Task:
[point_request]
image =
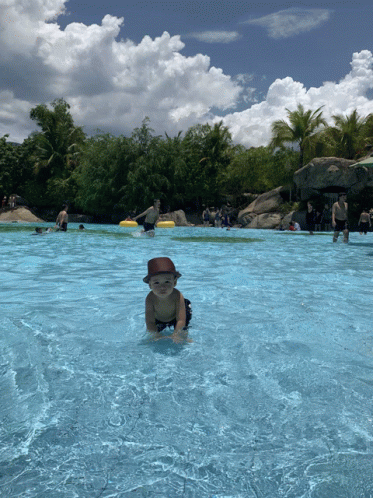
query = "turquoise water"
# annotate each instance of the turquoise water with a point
(272, 399)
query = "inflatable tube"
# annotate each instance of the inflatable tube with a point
(165, 224)
(128, 223)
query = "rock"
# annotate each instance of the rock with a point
(332, 173)
(265, 203)
(20, 214)
(266, 220)
(177, 216)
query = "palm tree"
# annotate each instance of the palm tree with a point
(349, 134)
(303, 127)
(57, 145)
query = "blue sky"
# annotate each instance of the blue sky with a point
(183, 62)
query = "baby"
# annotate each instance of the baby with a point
(165, 306)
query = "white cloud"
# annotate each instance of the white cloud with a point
(215, 36)
(291, 22)
(252, 127)
(110, 84)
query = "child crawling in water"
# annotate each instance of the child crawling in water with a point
(165, 306)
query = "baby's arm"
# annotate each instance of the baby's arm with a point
(149, 314)
(180, 332)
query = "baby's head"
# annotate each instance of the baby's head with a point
(160, 266)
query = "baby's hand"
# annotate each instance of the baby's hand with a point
(181, 336)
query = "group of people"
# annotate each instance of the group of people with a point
(220, 217)
(61, 223)
(12, 201)
(336, 218)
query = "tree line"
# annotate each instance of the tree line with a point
(104, 175)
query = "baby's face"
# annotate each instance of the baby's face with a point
(163, 284)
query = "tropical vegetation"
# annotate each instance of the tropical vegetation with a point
(105, 175)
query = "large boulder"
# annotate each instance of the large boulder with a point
(21, 214)
(332, 173)
(266, 220)
(177, 216)
(269, 202)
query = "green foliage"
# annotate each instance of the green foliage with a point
(258, 170)
(106, 175)
(102, 173)
(302, 129)
(288, 207)
(56, 151)
(15, 167)
(348, 135)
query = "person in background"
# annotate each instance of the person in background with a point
(310, 218)
(151, 216)
(364, 222)
(62, 219)
(340, 217)
(206, 217)
(318, 220)
(217, 218)
(326, 218)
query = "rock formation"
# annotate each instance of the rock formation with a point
(177, 216)
(264, 212)
(21, 214)
(324, 174)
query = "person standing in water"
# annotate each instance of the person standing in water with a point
(62, 219)
(151, 216)
(310, 218)
(340, 217)
(364, 222)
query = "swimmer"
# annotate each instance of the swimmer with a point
(151, 216)
(339, 217)
(81, 227)
(38, 231)
(165, 306)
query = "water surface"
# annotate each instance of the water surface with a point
(272, 399)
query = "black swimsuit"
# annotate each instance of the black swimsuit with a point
(188, 315)
(148, 226)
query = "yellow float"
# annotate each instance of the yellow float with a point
(128, 223)
(165, 224)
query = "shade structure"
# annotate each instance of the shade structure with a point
(368, 162)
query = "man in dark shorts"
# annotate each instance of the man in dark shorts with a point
(151, 216)
(339, 217)
(62, 219)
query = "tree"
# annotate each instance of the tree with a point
(302, 130)
(208, 151)
(56, 151)
(102, 173)
(349, 134)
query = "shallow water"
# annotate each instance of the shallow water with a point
(272, 399)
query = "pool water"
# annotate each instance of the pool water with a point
(272, 399)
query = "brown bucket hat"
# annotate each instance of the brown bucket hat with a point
(160, 265)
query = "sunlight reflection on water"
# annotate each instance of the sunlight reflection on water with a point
(272, 399)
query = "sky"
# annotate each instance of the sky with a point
(185, 62)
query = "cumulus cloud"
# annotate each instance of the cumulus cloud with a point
(110, 83)
(291, 22)
(215, 36)
(114, 84)
(252, 127)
